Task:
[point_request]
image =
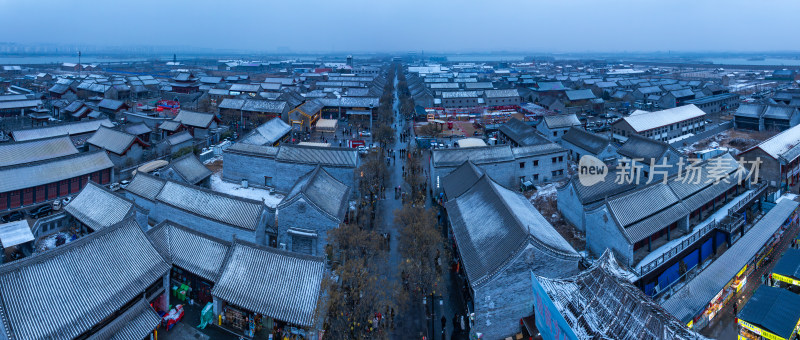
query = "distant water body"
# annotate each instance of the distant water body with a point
(56, 59)
(745, 61)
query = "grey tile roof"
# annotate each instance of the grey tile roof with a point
(60, 130)
(561, 121)
(35, 150)
(279, 284)
(599, 304)
(644, 228)
(264, 106)
(112, 140)
(195, 119)
(99, 208)
(550, 86)
(322, 191)
(170, 125)
(478, 155)
(325, 156)
(251, 149)
(29, 175)
(779, 112)
(782, 143)
(639, 204)
(461, 179)
(64, 292)
(245, 87)
(580, 94)
(588, 195)
(501, 93)
(310, 107)
(536, 150)
(145, 186)
(491, 225)
(110, 104)
(586, 140)
(138, 129)
(232, 210)
(522, 133)
(179, 137)
(749, 110)
(460, 94)
(190, 168)
(190, 250)
(693, 297)
(20, 104)
(646, 148)
(137, 322)
(267, 133)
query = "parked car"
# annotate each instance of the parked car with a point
(124, 183)
(66, 201)
(56, 205)
(14, 216)
(114, 186)
(40, 211)
(362, 150)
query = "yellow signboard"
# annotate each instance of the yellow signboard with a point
(759, 331)
(788, 280)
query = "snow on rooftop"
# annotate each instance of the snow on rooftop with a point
(270, 199)
(652, 120)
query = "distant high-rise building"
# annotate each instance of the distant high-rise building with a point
(350, 60)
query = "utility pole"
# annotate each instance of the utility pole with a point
(80, 67)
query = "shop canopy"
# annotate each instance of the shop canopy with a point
(692, 298)
(788, 267)
(15, 233)
(327, 125)
(772, 309)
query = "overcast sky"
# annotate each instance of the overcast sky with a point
(405, 25)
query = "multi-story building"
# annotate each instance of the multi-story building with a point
(664, 125)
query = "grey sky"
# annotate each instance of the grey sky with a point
(392, 25)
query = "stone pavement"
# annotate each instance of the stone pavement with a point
(412, 324)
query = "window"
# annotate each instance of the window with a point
(555, 133)
(302, 244)
(557, 173)
(522, 165)
(267, 181)
(555, 160)
(536, 162)
(560, 159)
(535, 177)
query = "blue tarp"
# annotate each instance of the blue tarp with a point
(706, 249)
(692, 259)
(669, 276)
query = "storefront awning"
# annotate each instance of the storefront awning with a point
(15, 233)
(692, 298)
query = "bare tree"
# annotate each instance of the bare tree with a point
(358, 290)
(421, 246)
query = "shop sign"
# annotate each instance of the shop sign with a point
(759, 331)
(785, 279)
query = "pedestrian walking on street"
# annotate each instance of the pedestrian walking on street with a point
(444, 327)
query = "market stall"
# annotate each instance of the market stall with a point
(327, 125)
(771, 313)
